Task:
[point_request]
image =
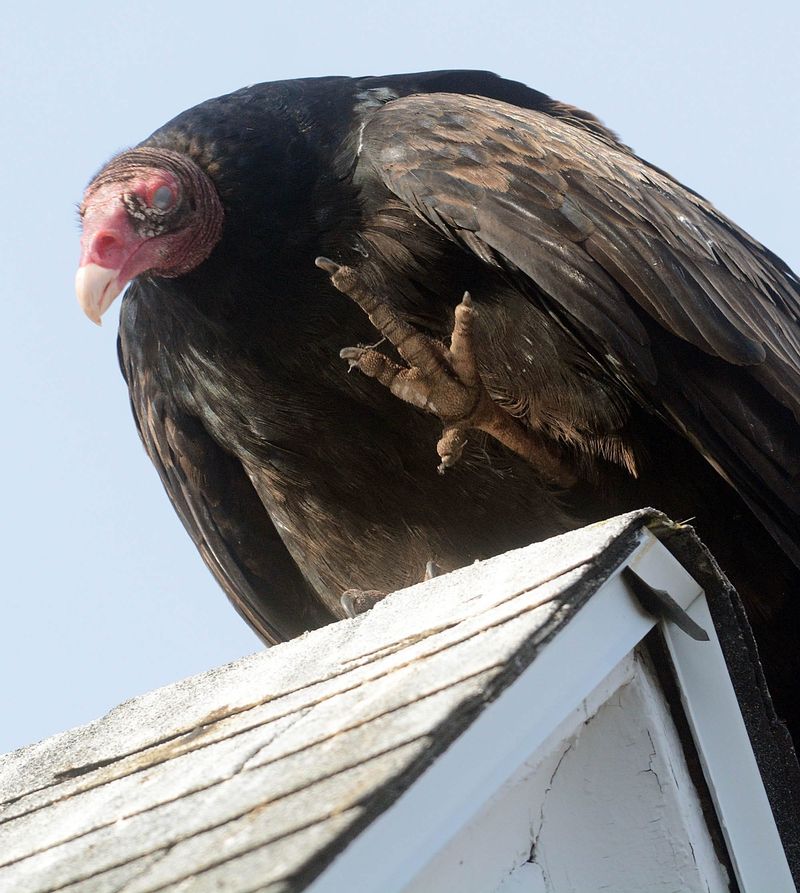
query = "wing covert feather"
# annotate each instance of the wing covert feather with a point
(593, 226)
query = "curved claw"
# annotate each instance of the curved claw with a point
(450, 446)
(330, 266)
(352, 353)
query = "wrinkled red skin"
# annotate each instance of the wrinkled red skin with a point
(128, 229)
(110, 239)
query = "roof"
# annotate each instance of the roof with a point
(256, 775)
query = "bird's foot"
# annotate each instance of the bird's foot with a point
(358, 601)
(442, 380)
(432, 570)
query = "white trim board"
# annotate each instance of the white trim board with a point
(728, 762)
(580, 656)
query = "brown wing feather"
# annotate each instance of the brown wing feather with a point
(220, 510)
(590, 223)
(677, 302)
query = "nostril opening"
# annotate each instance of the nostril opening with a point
(105, 243)
(106, 249)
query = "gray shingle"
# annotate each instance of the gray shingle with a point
(257, 773)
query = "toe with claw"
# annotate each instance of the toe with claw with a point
(359, 601)
(442, 380)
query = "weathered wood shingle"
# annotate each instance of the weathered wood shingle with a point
(253, 776)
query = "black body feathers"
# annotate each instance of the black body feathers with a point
(618, 313)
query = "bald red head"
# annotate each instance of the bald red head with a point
(148, 210)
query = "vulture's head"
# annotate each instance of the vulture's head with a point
(149, 210)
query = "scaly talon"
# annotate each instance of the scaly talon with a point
(442, 380)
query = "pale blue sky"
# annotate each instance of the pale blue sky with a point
(103, 595)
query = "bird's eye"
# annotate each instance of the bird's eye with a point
(163, 198)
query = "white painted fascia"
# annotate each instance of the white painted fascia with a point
(400, 843)
(728, 762)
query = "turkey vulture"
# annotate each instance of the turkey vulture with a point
(639, 346)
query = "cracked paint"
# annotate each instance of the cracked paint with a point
(608, 804)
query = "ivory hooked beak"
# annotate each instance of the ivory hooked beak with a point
(96, 288)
